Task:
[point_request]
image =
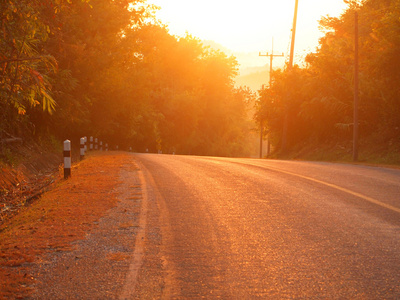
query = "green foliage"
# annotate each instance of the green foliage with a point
(25, 70)
(318, 99)
(107, 68)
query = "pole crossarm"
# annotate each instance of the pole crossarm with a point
(271, 57)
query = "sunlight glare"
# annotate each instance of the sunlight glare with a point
(247, 26)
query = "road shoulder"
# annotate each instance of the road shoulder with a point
(78, 235)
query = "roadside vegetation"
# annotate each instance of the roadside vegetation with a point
(107, 68)
(111, 70)
(317, 99)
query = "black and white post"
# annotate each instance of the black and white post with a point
(96, 144)
(101, 145)
(91, 143)
(85, 137)
(67, 159)
(106, 147)
(82, 148)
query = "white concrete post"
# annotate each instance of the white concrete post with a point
(82, 148)
(67, 159)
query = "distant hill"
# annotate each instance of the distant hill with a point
(253, 69)
(216, 46)
(253, 80)
(245, 59)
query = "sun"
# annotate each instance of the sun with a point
(247, 26)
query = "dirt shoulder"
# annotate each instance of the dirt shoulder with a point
(30, 171)
(56, 222)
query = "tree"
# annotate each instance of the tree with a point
(116, 73)
(319, 97)
(25, 68)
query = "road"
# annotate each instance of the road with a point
(246, 229)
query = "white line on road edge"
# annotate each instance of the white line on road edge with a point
(128, 290)
(369, 199)
(171, 287)
(366, 198)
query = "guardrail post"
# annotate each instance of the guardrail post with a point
(106, 147)
(101, 145)
(85, 137)
(82, 147)
(91, 143)
(67, 159)
(96, 143)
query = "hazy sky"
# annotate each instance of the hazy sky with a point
(248, 26)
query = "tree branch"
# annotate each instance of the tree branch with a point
(20, 59)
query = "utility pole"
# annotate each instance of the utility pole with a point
(290, 67)
(355, 113)
(293, 35)
(271, 57)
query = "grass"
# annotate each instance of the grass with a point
(370, 152)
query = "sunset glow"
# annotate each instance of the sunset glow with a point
(249, 26)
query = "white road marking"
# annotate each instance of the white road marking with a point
(366, 198)
(128, 290)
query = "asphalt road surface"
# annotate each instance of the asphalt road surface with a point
(246, 229)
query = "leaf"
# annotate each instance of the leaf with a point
(37, 76)
(48, 102)
(21, 111)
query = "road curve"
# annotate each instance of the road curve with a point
(246, 228)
